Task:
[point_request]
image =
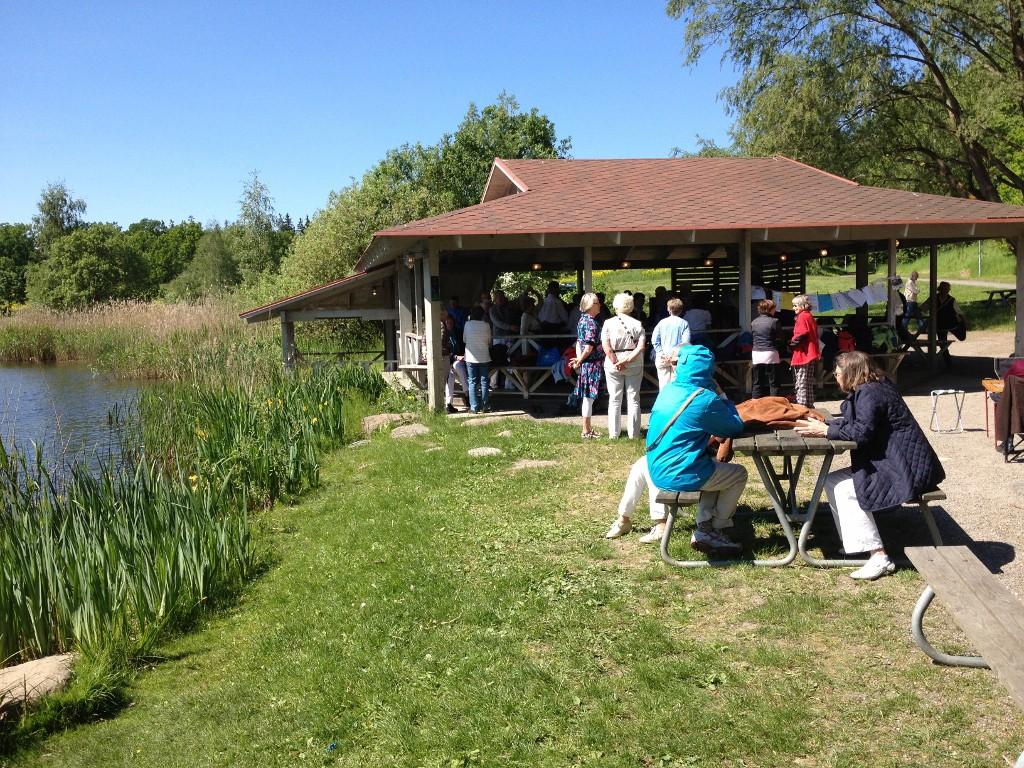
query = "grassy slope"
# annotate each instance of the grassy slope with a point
(429, 609)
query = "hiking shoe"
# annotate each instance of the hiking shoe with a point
(620, 527)
(877, 566)
(713, 541)
(654, 535)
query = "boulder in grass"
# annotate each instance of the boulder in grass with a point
(25, 683)
(358, 443)
(505, 433)
(533, 464)
(485, 451)
(371, 424)
(409, 430)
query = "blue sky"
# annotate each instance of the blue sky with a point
(161, 110)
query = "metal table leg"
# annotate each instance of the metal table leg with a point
(805, 530)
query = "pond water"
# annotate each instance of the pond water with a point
(62, 408)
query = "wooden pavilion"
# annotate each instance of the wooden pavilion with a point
(724, 224)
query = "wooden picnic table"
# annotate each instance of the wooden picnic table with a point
(1002, 295)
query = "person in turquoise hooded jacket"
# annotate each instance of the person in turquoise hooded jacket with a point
(678, 460)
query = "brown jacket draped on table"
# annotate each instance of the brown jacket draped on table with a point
(1010, 409)
(767, 413)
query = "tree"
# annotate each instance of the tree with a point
(925, 94)
(415, 181)
(17, 249)
(90, 264)
(166, 250)
(59, 214)
(212, 271)
(259, 249)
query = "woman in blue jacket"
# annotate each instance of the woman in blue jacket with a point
(892, 464)
(677, 457)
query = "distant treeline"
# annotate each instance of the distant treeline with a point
(61, 261)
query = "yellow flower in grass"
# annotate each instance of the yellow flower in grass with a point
(200, 434)
(194, 480)
(315, 421)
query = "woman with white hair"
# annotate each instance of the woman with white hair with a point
(622, 337)
(806, 349)
(587, 363)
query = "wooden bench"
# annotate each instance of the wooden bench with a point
(1002, 295)
(991, 617)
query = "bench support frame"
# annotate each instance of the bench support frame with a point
(917, 630)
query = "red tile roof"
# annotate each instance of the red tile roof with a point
(690, 193)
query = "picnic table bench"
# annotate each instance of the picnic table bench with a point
(991, 617)
(1002, 295)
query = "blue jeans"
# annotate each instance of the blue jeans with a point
(478, 385)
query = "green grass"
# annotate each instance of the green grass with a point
(427, 609)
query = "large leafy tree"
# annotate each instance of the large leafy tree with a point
(415, 181)
(212, 271)
(94, 263)
(17, 249)
(59, 213)
(927, 94)
(166, 250)
(260, 242)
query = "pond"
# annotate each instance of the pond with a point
(64, 409)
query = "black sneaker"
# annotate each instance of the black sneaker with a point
(451, 408)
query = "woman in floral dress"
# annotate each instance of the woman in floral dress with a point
(588, 361)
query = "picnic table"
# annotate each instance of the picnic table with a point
(780, 481)
(1002, 295)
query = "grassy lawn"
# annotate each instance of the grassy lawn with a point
(428, 609)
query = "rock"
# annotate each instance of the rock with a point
(29, 682)
(533, 464)
(409, 430)
(371, 424)
(478, 452)
(505, 433)
(434, 449)
(358, 443)
(479, 422)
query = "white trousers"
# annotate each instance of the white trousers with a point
(457, 369)
(666, 372)
(639, 480)
(718, 496)
(630, 382)
(856, 527)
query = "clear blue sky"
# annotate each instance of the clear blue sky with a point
(160, 110)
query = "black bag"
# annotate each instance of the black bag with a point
(959, 330)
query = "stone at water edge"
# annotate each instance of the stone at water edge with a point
(485, 451)
(409, 430)
(28, 682)
(371, 424)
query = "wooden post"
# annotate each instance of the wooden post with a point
(588, 269)
(437, 368)
(861, 278)
(390, 344)
(890, 312)
(404, 292)
(287, 341)
(744, 287)
(579, 280)
(933, 289)
(1018, 345)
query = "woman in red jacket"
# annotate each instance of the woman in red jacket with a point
(806, 350)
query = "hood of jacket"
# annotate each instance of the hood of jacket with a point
(696, 366)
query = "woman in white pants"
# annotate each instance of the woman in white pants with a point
(892, 464)
(623, 340)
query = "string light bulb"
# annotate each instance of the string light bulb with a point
(824, 251)
(625, 265)
(783, 257)
(535, 267)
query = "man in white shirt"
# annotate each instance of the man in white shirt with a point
(553, 315)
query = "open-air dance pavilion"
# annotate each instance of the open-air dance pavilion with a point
(722, 225)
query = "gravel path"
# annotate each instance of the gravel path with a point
(985, 496)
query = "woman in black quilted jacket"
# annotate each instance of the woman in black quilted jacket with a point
(892, 464)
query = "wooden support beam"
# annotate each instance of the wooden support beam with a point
(861, 279)
(744, 287)
(390, 344)
(305, 315)
(437, 370)
(588, 268)
(404, 293)
(933, 289)
(1018, 345)
(287, 341)
(890, 311)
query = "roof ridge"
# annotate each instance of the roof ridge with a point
(817, 170)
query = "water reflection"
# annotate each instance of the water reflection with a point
(64, 409)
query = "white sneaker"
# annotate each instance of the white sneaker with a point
(876, 567)
(620, 527)
(654, 535)
(713, 541)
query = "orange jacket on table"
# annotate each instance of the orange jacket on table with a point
(808, 349)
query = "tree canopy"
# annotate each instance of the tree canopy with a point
(415, 181)
(925, 94)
